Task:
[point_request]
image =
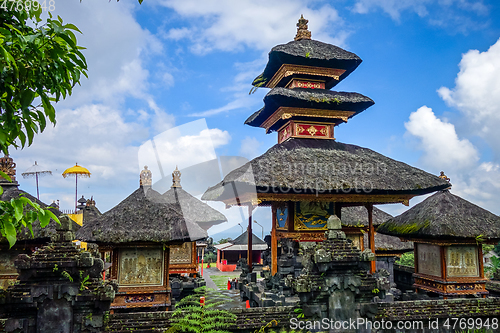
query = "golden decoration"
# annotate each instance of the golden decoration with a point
(312, 130)
(176, 178)
(302, 32)
(286, 112)
(8, 167)
(289, 70)
(146, 177)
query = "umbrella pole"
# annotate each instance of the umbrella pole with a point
(76, 191)
(37, 193)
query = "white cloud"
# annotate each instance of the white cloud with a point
(477, 93)
(94, 128)
(439, 141)
(250, 147)
(259, 24)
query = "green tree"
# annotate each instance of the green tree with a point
(41, 63)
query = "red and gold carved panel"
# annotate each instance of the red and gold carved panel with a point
(285, 133)
(306, 130)
(306, 84)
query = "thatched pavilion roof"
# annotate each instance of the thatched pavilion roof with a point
(308, 52)
(144, 216)
(444, 216)
(357, 216)
(308, 98)
(193, 209)
(324, 167)
(41, 235)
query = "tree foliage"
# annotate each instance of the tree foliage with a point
(41, 63)
(19, 213)
(190, 316)
(407, 259)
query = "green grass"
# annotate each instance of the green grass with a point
(221, 280)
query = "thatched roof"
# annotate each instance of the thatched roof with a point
(444, 216)
(308, 98)
(325, 167)
(144, 216)
(358, 216)
(385, 243)
(193, 209)
(308, 52)
(41, 235)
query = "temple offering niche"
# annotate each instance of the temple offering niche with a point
(138, 232)
(448, 233)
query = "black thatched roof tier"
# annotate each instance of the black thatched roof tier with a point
(444, 215)
(41, 235)
(243, 240)
(308, 52)
(385, 243)
(357, 216)
(309, 166)
(308, 98)
(144, 216)
(193, 209)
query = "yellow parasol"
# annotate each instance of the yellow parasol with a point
(76, 171)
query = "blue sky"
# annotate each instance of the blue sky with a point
(432, 68)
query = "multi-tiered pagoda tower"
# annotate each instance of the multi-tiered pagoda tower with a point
(309, 176)
(300, 74)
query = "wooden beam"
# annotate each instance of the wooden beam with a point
(371, 235)
(274, 243)
(250, 252)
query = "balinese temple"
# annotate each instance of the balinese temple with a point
(86, 209)
(228, 254)
(448, 233)
(137, 233)
(308, 175)
(183, 258)
(26, 243)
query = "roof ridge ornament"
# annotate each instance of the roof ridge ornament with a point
(8, 167)
(146, 177)
(443, 176)
(176, 178)
(302, 32)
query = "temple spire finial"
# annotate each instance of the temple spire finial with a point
(146, 177)
(302, 32)
(176, 178)
(8, 167)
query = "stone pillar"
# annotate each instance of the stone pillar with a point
(59, 289)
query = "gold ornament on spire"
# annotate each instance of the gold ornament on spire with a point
(302, 32)
(176, 178)
(8, 167)
(146, 177)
